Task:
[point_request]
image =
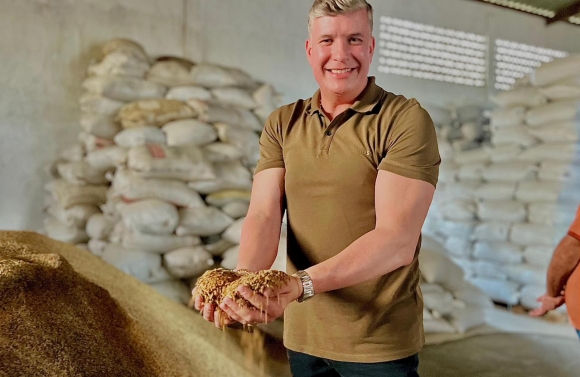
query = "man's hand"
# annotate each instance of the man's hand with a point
(267, 307)
(209, 311)
(548, 303)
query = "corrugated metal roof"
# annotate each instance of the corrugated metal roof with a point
(551, 10)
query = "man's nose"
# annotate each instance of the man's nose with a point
(340, 50)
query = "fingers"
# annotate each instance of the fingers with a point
(208, 312)
(237, 313)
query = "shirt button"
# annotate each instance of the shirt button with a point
(328, 133)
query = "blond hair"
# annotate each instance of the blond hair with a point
(321, 8)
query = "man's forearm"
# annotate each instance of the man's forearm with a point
(259, 243)
(374, 254)
(564, 261)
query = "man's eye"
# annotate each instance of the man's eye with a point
(356, 40)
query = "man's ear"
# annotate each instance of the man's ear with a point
(308, 50)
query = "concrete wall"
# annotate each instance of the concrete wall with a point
(45, 46)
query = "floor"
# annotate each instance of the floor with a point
(503, 355)
(496, 355)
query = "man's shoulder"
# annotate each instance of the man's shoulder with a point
(287, 111)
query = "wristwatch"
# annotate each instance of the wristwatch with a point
(308, 287)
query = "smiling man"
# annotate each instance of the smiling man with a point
(355, 167)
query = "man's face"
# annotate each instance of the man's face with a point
(340, 50)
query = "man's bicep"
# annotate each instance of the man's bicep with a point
(267, 193)
(401, 203)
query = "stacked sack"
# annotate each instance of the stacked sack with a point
(178, 142)
(451, 304)
(508, 204)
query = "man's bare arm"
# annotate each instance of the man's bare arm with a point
(401, 207)
(261, 229)
(564, 261)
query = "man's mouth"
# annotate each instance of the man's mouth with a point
(338, 71)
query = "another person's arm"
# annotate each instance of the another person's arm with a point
(564, 260)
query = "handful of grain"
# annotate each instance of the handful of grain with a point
(215, 285)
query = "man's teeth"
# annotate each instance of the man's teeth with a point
(341, 70)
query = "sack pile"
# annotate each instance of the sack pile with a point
(159, 183)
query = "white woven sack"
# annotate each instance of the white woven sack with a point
(229, 176)
(120, 63)
(473, 296)
(538, 255)
(100, 125)
(203, 221)
(460, 229)
(524, 96)
(561, 91)
(504, 152)
(184, 93)
(187, 262)
(214, 76)
(532, 234)
(490, 270)
(222, 198)
(506, 292)
(189, 132)
(74, 216)
(480, 155)
(139, 264)
(458, 210)
(107, 158)
(97, 104)
(558, 132)
(175, 290)
(97, 247)
(155, 243)
(535, 191)
(214, 112)
(64, 233)
(233, 233)
(511, 116)
(235, 97)
(501, 210)
(149, 216)
(124, 89)
(513, 171)
(495, 191)
(245, 140)
(499, 252)
(217, 247)
(158, 161)
(81, 173)
(99, 227)
(563, 152)
(153, 112)
(230, 257)
(221, 152)
(458, 247)
(471, 172)
(437, 326)
(447, 171)
(170, 73)
(139, 136)
(438, 268)
(553, 112)
(556, 70)
(438, 301)
(65, 195)
(517, 135)
(131, 187)
(491, 231)
(465, 319)
(527, 274)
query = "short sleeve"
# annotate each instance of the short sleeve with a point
(574, 230)
(411, 148)
(271, 155)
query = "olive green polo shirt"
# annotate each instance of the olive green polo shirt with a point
(330, 174)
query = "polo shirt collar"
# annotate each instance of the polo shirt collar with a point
(366, 101)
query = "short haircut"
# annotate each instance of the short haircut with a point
(321, 8)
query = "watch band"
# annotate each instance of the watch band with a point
(308, 287)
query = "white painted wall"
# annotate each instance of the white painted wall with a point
(45, 46)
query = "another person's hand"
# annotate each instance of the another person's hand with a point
(267, 307)
(548, 303)
(209, 311)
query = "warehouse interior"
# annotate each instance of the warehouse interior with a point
(131, 137)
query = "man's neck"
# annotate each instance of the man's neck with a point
(333, 104)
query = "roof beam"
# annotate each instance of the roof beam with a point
(564, 13)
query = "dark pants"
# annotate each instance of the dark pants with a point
(303, 365)
(578, 331)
